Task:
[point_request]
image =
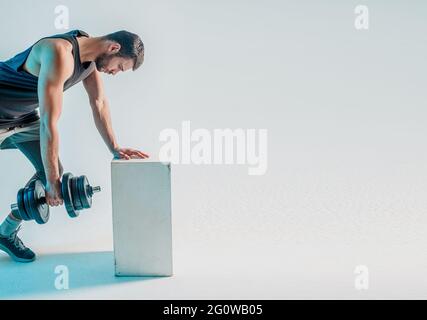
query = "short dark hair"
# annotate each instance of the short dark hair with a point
(131, 44)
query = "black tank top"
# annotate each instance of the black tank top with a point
(18, 88)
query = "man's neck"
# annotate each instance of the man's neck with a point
(89, 48)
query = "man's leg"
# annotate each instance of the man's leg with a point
(31, 149)
(10, 226)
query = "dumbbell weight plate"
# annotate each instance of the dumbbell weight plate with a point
(31, 209)
(39, 208)
(31, 201)
(66, 195)
(77, 202)
(83, 185)
(27, 204)
(82, 194)
(80, 191)
(21, 205)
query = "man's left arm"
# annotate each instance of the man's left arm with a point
(101, 115)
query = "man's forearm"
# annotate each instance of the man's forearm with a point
(49, 142)
(102, 118)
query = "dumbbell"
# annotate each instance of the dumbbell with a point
(31, 200)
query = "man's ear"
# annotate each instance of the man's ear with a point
(114, 48)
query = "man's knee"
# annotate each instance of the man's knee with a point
(40, 175)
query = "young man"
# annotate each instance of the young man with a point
(36, 78)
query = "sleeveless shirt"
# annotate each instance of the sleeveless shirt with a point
(18, 88)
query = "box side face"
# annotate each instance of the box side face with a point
(142, 224)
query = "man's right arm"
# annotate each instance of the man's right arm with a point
(55, 68)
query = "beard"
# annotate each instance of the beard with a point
(102, 61)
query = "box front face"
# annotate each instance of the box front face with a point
(142, 226)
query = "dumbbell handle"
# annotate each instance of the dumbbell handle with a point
(14, 207)
(93, 190)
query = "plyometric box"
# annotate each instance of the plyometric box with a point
(142, 217)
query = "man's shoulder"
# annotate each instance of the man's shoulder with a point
(55, 46)
(55, 52)
(56, 55)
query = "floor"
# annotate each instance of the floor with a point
(309, 273)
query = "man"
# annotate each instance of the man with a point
(36, 78)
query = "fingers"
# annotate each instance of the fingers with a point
(54, 201)
(143, 155)
(129, 153)
(124, 155)
(140, 154)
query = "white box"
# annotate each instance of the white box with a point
(142, 217)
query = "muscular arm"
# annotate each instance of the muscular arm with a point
(100, 109)
(55, 68)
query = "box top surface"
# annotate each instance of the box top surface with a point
(119, 161)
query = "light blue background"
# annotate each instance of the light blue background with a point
(346, 114)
